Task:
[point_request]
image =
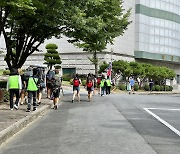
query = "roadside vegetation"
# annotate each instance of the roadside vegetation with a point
(142, 73)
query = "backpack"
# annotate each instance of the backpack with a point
(89, 83)
(76, 83)
(27, 74)
(98, 80)
(50, 75)
(56, 82)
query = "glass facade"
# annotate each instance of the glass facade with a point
(158, 27)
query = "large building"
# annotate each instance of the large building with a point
(152, 37)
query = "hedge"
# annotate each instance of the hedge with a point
(136, 87)
(122, 87)
(146, 87)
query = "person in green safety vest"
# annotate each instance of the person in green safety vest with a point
(103, 85)
(108, 86)
(14, 85)
(32, 87)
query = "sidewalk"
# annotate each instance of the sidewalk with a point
(12, 122)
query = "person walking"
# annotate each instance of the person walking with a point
(41, 76)
(102, 85)
(56, 85)
(108, 86)
(50, 74)
(98, 84)
(113, 81)
(128, 87)
(32, 88)
(23, 91)
(76, 87)
(132, 82)
(14, 85)
(90, 86)
(151, 84)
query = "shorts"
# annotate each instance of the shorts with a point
(48, 85)
(90, 89)
(76, 88)
(56, 93)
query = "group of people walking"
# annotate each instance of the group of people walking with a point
(92, 83)
(30, 87)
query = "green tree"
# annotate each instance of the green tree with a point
(52, 57)
(103, 67)
(26, 24)
(94, 23)
(10, 7)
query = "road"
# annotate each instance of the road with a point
(126, 124)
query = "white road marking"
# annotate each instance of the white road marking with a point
(161, 120)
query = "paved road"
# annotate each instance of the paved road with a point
(111, 124)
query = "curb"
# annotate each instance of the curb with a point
(19, 125)
(157, 93)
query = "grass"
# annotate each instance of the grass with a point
(65, 82)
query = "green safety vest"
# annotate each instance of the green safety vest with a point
(102, 83)
(14, 82)
(32, 86)
(108, 82)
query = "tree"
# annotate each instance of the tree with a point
(9, 7)
(103, 67)
(94, 23)
(26, 24)
(52, 56)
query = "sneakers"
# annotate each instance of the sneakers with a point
(39, 103)
(28, 110)
(72, 101)
(34, 108)
(21, 103)
(16, 107)
(55, 107)
(11, 109)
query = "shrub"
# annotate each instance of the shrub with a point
(6, 96)
(170, 88)
(157, 88)
(51, 46)
(122, 87)
(66, 77)
(146, 87)
(161, 88)
(57, 67)
(153, 88)
(6, 72)
(136, 87)
(84, 82)
(71, 81)
(167, 88)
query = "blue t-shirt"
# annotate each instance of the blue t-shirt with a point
(132, 82)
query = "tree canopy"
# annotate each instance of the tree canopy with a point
(52, 57)
(26, 24)
(95, 23)
(140, 70)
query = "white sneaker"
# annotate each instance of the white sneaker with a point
(21, 103)
(11, 109)
(15, 106)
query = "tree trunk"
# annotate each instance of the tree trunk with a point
(95, 62)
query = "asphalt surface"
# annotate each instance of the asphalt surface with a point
(117, 123)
